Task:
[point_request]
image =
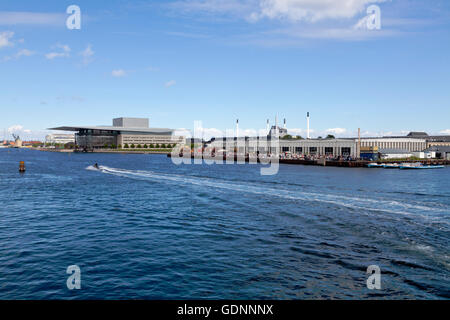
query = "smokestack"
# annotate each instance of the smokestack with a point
(358, 152)
(284, 125)
(237, 128)
(307, 126)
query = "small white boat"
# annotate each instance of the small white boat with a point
(375, 165)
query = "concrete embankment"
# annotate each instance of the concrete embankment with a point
(331, 163)
(105, 151)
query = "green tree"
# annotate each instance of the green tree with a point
(113, 146)
(132, 146)
(145, 146)
(152, 145)
(139, 146)
(119, 146)
(330, 136)
(163, 145)
(126, 146)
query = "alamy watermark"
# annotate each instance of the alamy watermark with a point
(374, 280)
(74, 280)
(73, 22)
(232, 148)
(373, 19)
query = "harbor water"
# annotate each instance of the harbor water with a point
(142, 227)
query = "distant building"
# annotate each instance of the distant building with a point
(60, 138)
(281, 131)
(395, 153)
(441, 152)
(124, 132)
(265, 145)
(403, 143)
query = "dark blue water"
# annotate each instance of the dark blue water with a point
(146, 228)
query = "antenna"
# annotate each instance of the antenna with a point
(237, 128)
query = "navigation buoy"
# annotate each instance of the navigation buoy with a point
(22, 166)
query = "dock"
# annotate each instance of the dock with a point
(329, 163)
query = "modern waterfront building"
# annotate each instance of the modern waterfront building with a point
(124, 132)
(60, 138)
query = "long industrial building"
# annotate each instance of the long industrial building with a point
(124, 132)
(317, 147)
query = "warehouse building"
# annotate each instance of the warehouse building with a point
(403, 143)
(345, 147)
(441, 152)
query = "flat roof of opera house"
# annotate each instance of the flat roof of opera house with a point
(113, 128)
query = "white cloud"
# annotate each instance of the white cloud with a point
(299, 19)
(118, 73)
(15, 128)
(21, 53)
(308, 10)
(31, 18)
(64, 53)
(53, 55)
(337, 131)
(87, 54)
(26, 134)
(446, 131)
(5, 38)
(24, 53)
(170, 83)
(290, 10)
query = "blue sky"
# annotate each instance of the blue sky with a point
(180, 61)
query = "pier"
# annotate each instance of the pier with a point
(324, 162)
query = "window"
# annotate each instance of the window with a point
(346, 151)
(285, 149)
(298, 149)
(328, 150)
(313, 150)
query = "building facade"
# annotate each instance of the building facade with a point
(125, 132)
(319, 147)
(403, 143)
(60, 138)
(263, 145)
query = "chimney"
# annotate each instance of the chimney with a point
(307, 126)
(358, 152)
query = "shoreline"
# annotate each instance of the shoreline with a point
(104, 151)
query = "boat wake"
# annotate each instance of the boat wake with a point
(362, 205)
